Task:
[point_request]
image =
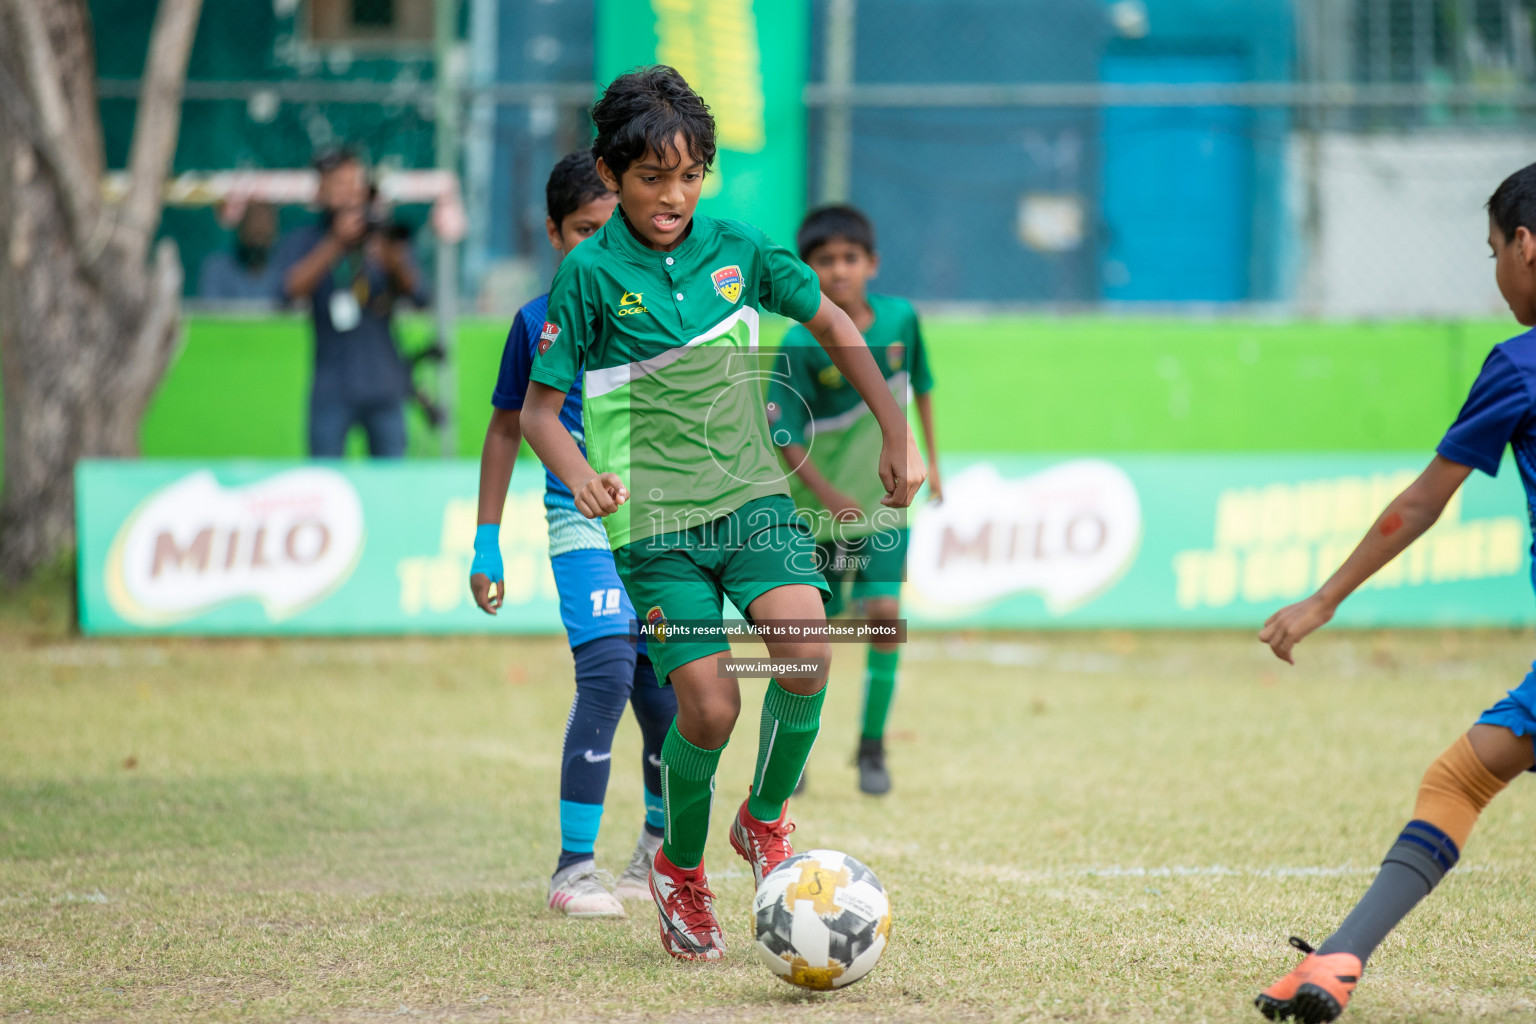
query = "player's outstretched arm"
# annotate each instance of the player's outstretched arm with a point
(596, 494)
(1403, 522)
(502, 439)
(901, 467)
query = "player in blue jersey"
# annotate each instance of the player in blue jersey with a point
(1500, 411)
(611, 671)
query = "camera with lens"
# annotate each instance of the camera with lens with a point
(381, 219)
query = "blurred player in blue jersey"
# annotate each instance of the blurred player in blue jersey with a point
(1500, 412)
(610, 670)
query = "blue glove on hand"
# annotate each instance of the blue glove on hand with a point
(487, 558)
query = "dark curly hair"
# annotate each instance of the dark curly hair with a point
(572, 184)
(823, 225)
(1513, 203)
(645, 110)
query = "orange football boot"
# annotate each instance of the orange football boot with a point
(1316, 991)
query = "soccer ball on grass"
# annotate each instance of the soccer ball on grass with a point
(821, 920)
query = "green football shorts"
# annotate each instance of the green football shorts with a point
(680, 578)
(874, 565)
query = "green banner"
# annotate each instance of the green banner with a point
(1205, 540)
(302, 547)
(1031, 542)
(748, 60)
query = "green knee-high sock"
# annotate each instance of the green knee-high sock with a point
(790, 725)
(687, 790)
(879, 691)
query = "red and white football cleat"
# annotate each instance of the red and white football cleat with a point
(763, 844)
(689, 928)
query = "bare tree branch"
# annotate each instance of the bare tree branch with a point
(158, 120)
(89, 242)
(46, 118)
(88, 320)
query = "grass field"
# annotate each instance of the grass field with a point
(1085, 828)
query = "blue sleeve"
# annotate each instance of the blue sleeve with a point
(516, 362)
(1496, 406)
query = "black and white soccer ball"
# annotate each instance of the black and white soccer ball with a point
(821, 920)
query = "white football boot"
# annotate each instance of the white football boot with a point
(582, 891)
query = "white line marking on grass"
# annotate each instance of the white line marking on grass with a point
(68, 897)
(1006, 873)
(1221, 871)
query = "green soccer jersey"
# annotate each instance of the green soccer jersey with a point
(666, 343)
(815, 406)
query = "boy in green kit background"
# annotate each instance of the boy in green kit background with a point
(657, 313)
(827, 436)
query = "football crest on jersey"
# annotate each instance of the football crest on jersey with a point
(657, 622)
(547, 336)
(830, 377)
(727, 282)
(895, 355)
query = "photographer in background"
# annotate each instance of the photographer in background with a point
(352, 265)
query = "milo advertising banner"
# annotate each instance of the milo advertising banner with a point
(275, 547)
(747, 59)
(1019, 541)
(1205, 540)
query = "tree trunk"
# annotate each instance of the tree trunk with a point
(87, 326)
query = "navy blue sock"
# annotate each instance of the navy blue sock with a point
(655, 708)
(605, 671)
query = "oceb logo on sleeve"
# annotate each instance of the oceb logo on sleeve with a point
(547, 336)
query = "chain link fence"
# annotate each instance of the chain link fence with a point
(271, 83)
(1431, 104)
(1322, 157)
(1327, 157)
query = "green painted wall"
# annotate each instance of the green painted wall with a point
(1004, 384)
(1013, 384)
(1098, 384)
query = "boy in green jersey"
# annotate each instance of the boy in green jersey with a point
(826, 433)
(658, 314)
